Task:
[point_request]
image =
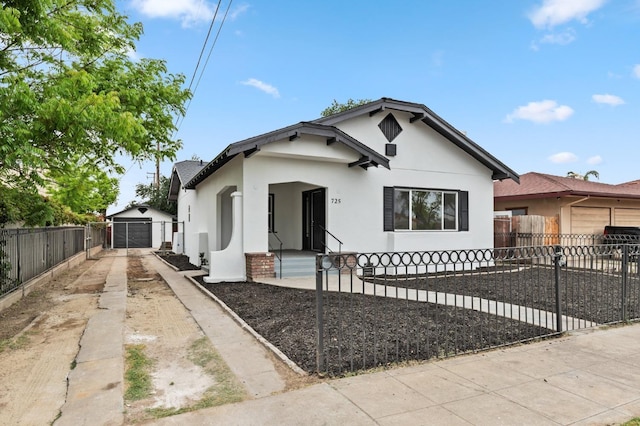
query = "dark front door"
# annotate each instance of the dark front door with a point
(313, 220)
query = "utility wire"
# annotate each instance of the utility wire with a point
(204, 45)
(195, 71)
(224, 18)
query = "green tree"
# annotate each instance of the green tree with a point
(156, 197)
(337, 107)
(69, 89)
(585, 176)
(84, 188)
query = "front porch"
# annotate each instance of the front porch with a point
(294, 263)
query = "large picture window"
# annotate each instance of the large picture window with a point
(409, 209)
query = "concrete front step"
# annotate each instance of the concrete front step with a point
(295, 267)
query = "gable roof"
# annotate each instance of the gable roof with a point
(248, 147)
(431, 119)
(183, 172)
(540, 185)
(368, 157)
(147, 207)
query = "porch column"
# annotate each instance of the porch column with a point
(229, 264)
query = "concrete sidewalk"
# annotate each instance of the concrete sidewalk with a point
(587, 377)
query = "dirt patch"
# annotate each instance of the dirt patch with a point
(39, 341)
(19, 315)
(186, 372)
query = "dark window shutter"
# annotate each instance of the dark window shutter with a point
(463, 210)
(387, 204)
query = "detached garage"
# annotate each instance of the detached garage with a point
(141, 227)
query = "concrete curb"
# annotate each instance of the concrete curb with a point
(239, 320)
(250, 329)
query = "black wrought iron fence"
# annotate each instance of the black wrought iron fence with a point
(379, 308)
(28, 252)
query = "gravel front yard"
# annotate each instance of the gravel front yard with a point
(362, 332)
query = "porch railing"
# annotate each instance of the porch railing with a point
(384, 308)
(279, 252)
(327, 232)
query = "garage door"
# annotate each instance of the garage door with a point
(626, 217)
(138, 232)
(589, 220)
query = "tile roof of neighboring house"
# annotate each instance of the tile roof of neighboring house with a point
(183, 172)
(540, 185)
(325, 127)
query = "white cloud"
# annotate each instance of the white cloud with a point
(555, 12)
(595, 160)
(189, 12)
(636, 71)
(238, 11)
(541, 112)
(260, 85)
(563, 157)
(612, 100)
(563, 38)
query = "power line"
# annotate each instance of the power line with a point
(224, 18)
(204, 45)
(195, 71)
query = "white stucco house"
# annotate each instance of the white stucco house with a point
(387, 176)
(140, 226)
(187, 239)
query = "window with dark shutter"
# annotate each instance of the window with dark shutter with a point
(387, 203)
(412, 209)
(463, 211)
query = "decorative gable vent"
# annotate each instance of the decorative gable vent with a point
(390, 127)
(142, 210)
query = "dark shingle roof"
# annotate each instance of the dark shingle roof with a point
(325, 127)
(183, 172)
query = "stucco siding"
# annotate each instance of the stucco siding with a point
(354, 198)
(208, 205)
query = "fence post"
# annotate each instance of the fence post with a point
(319, 317)
(625, 278)
(556, 264)
(19, 260)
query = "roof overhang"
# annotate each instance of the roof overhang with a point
(421, 113)
(251, 146)
(564, 194)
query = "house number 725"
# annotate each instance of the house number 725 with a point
(336, 201)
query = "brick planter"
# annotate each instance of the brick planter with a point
(259, 265)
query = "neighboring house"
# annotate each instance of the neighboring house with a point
(182, 173)
(387, 176)
(140, 226)
(582, 207)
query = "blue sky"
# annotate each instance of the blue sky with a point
(550, 86)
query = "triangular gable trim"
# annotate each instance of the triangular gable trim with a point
(422, 113)
(250, 146)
